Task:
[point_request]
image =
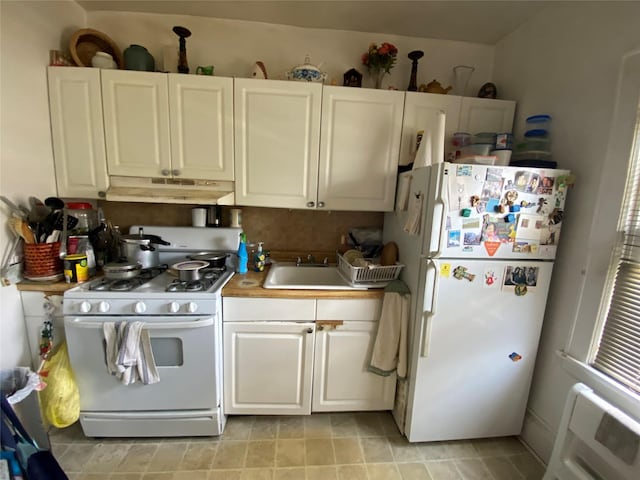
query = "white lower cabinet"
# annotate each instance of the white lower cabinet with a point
(341, 381)
(268, 367)
(295, 356)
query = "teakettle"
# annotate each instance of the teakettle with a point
(434, 87)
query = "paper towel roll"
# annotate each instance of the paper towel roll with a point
(438, 139)
(423, 155)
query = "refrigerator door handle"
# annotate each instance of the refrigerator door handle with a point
(438, 184)
(431, 274)
(441, 209)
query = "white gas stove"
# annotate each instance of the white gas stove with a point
(185, 329)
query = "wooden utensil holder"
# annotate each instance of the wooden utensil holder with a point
(42, 259)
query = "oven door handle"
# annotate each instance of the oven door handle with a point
(81, 323)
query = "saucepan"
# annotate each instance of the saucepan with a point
(121, 271)
(189, 270)
(214, 259)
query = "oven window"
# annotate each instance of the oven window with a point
(167, 352)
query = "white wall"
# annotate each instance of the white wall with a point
(234, 46)
(567, 62)
(28, 30)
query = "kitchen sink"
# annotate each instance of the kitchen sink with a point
(290, 276)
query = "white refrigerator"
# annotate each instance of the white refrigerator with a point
(478, 244)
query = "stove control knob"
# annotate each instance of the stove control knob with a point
(103, 307)
(192, 307)
(139, 307)
(174, 307)
(85, 307)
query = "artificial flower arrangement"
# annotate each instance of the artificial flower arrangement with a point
(380, 58)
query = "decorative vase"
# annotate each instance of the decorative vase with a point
(378, 75)
(461, 76)
(136, 57)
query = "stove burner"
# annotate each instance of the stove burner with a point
(125, 285)
(194, 286)
(121, 285)
(208, 277)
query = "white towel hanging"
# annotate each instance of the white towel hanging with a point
(414, 219)
(128, 352)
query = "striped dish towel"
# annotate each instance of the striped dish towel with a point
(128, 352)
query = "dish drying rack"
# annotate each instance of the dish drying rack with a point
(371, 276)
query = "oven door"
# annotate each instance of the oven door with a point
(184, 349)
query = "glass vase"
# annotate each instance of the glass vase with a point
(461, 76)
(378, 75)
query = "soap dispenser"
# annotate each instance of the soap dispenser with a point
(259, 259)
(243, 257)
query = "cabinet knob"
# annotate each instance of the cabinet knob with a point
(311, 204)
(102, 194)
(310, 330)
(320, 204)
(175, 172)
(165, 172)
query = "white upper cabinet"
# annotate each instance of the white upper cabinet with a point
(168, 125)
(201, 114)
(277, 131)
(75, 106)
(486, 115)
(136, 118)
(421, 113)
(359, 146)
(302, 145)
(462, 114)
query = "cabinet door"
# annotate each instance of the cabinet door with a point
(360, 143)
(201, 120)
(341, 381)
(277, 130)
(486, 115)
(75, 106)
(420, 113)
(268, 367)
(136, 123)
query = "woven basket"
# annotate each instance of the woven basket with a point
(42, 259)
(86, 42)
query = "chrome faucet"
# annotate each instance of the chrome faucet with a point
(311, 262)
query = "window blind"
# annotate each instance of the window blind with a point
(618, 351)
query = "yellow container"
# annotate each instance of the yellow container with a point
(76, 268)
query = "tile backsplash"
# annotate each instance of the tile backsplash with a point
(279, 228)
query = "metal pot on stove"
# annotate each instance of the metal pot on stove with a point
(214, 259)
(121, 270)
(189, 270)
(142, 249)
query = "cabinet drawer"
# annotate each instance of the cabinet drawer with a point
(367, 310)
(252, 309)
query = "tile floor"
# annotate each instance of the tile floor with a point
(343, 446)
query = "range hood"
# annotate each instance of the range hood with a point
(170, 190)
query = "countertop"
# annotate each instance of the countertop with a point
(53, 288)
(247, 285)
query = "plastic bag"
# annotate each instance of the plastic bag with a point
(18, 383)
(60, 400)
